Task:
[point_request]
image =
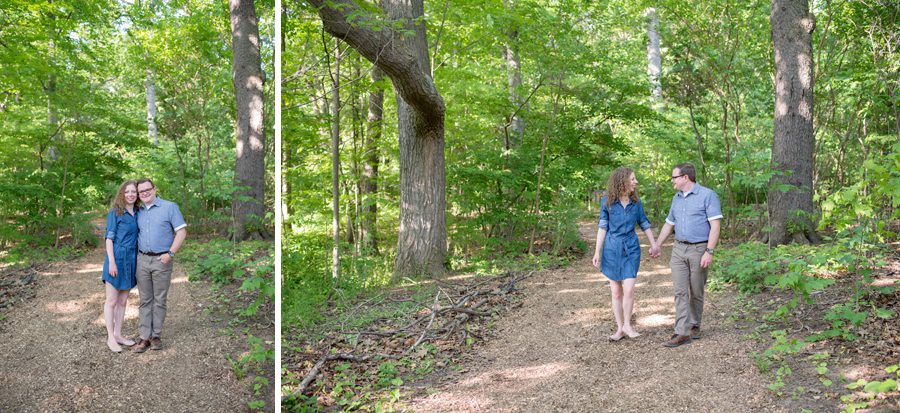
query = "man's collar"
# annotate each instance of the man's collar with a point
(693, 190)
(148, 206)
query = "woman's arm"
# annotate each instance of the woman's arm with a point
(113, 270)
(601, 236)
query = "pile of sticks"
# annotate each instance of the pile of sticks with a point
(449, 314)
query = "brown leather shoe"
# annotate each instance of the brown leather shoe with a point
(141, 346)
(155, 343)
(695, 333)
(677, 340)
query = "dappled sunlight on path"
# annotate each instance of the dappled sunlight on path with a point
(56, 359)
(553, 353)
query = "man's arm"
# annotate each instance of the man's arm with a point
(715, 226)
(180, 235)
(663, 234)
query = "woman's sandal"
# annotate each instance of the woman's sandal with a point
(126, 342)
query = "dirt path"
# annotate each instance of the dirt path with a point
(54, 354)
(553, 354)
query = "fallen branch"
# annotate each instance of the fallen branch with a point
(315, 370)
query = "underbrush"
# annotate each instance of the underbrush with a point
(242, 280)
(352, 342)
(821, 312)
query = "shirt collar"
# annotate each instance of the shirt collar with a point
(694, 190)
(148, 206)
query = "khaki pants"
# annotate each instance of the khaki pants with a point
(689, 282)
(153, 280)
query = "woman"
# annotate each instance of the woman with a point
(620, 211)
(121, 260)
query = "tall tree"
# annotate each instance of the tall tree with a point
(422, 236)
(150, 87)
(369, 178)
(791, 208)
(249, 166)
(336, 162)
(654, 57)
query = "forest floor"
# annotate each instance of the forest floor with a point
(552, 354)
(55, 358)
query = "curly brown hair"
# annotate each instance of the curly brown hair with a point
(118, 203)
(617, 185)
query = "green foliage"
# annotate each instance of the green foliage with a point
(869, 391)
(73, 107)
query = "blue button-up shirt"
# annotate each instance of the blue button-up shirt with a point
(691, 213)
(158, 223)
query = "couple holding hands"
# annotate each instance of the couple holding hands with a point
(695, 215)
(141, 241)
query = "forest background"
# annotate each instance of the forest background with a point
(540, 101)
(96, 92)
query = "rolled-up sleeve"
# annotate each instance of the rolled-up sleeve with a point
(713, 207)
(111, 225)
(176, 218)
(642, 217)
(603, 223)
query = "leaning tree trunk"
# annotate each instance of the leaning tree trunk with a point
(249, 167)
(369, 178)
(791, 208)
(422, 237)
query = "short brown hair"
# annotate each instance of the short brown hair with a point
(145, 180)
(687, 168)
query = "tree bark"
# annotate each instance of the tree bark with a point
(150, 87)
(336, 162)
(654, 58)
(791, 209)
(514, 81)
(422, 237)
(249, 167)
(369, 179)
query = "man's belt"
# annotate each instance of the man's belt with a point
(154, 254)
(690, 243)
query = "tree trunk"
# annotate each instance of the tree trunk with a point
(537, 193)
(514, 81)
(249, 166)
(654, 58)
(54, 128)
(791, 208)
(369, 178)
(150, 87)
(336, 162)
(422, 237)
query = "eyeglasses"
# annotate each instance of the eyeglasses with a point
(146, 191)
(676, 177)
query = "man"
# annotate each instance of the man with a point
(161, 233)
(696, 215)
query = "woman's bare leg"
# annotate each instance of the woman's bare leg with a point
(627, 306)
(109, 310)
(615, 288)
(121, 304)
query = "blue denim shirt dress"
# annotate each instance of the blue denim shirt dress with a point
(123, 231)
(621, 253)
